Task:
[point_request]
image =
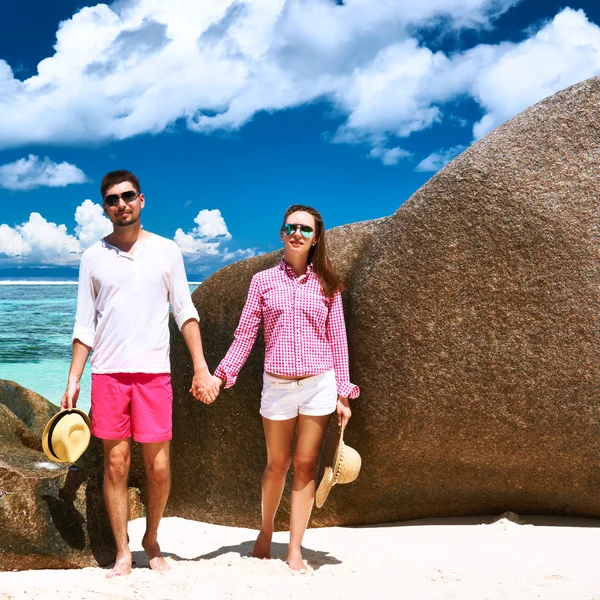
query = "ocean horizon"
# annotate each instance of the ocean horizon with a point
(37, 315)
(50, 281)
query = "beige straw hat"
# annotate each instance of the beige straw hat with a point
(66, 436)
(339, 464)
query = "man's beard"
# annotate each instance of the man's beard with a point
(128, 223)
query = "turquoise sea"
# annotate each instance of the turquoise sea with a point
(36, 323)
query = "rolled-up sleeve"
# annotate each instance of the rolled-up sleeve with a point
(86, 316)
(336, 334)
(179, 292)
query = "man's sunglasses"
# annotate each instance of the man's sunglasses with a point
(128, 196)
(305, 230)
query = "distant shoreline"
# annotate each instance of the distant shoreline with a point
(49, 281)
(35, 282)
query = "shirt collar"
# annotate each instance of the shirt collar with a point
(289, 271)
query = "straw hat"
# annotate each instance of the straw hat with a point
(66, 436)
(339, 464)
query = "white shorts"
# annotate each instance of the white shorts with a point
(286, 398)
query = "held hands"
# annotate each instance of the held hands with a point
(205, 387)
(343, 411)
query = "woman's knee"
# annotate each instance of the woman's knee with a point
(278, 465)
(305, 465)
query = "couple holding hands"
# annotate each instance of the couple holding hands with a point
(127, 281)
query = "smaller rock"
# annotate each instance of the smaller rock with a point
(508, 520)
(136, 507)
(513, 517)
(52, 515)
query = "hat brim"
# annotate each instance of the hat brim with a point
(328, 464)
(50, 426)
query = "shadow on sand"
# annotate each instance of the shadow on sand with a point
(315, 558)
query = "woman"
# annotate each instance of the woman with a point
(306, 368)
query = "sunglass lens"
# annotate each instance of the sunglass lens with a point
(305, 230)
(128, 196)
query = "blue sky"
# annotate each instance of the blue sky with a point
(229, 111)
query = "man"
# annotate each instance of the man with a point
(126, 282)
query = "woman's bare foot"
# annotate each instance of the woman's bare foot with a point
(295, 562)
(155, 558)
(262, 546)
(122, 565)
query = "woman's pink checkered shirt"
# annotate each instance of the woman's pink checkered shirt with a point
(305, 333)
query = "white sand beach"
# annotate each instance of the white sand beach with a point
(463, 559)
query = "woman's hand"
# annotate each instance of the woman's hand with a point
(343, 411)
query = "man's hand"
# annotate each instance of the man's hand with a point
(69, 399)
(80, 355)
(205, 387)
(343, 411)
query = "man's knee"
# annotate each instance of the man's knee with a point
(158, 472)
(116, 465)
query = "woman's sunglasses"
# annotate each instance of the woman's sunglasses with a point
(128, 196)
(305, 230)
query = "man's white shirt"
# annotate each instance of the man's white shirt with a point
(123, 305)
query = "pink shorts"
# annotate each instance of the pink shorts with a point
(138, 405)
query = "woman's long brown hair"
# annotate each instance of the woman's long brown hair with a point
(318, 255)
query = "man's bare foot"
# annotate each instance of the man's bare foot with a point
(262, 546)
(122, 565)
(155, 558)
(295, 562)
(158, 563)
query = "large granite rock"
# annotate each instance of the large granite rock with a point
(473, 318)
(476, 316)
(51, 515)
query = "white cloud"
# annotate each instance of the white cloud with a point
(389, 156)
(435, 161)
(207, 237)
(11, 242)
(140, 65)
(32, 172)
(203, 246)
(92, 225)
(239, 255)
(562, 53)
(38, 241)
(388, 96)
(194, 247)
(211, 225)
